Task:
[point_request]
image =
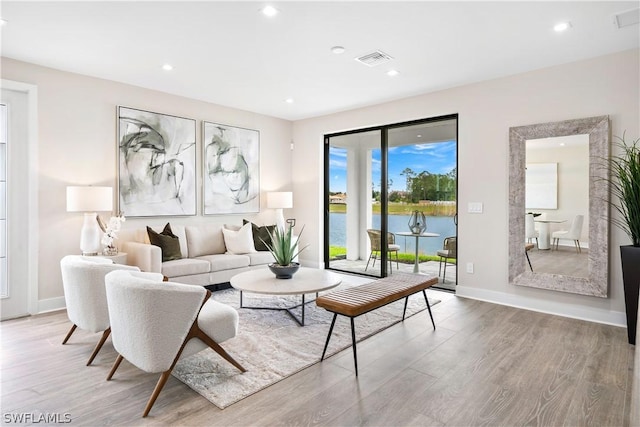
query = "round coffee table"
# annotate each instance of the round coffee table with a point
(305, 281)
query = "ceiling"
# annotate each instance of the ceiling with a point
(229, 53)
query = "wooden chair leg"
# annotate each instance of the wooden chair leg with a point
(156, 391)
(217, 348)
(115, 366)
(71, 331)
(105, 335)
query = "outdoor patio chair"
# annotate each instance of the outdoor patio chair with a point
(449, 251)
(375, 237)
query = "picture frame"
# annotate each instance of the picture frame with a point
(230, 169)
(156, 164)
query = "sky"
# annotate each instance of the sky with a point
(437, 158)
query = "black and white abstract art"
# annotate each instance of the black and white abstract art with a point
(231, 169)
(156, 164)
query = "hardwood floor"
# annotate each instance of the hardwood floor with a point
(485, 364)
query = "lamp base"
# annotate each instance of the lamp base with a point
(90, 235)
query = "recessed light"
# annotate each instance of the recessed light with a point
(337, 50)
(561, 26)
(167, 67)
(289, 100)
(269, 11)
(3, 22)
(419, 136)
(393, 73)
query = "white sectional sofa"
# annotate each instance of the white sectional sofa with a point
(205, 258)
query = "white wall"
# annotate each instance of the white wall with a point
(606, 85)
(77, 146)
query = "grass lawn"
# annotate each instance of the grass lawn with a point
(403, 257)
(404, 209)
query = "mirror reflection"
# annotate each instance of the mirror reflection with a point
(567, 198)
(557, 204)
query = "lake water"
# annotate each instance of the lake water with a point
(443, 225)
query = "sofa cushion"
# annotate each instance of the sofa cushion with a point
(185, 267)
(142, 236)
(239, 242)
(260, 258)
(260, 235)
(205, 240)
(167, 241)
(225, 261)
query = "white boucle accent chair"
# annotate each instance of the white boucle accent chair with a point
(153, 323)
(85, 296)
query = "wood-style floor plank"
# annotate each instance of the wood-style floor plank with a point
(484, 365)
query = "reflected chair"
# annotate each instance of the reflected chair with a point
(527, 248)
(84, 294)
(572, 234)
(375, 237)
(449, 251)
(530, 229)
(153, 323)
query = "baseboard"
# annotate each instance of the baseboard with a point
(615, 318)
(51, 304)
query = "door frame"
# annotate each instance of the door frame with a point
(32, 197)
(384, 133)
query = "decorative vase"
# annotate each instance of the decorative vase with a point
(630, 256)
(417, 222)
(284, 271)
(110, 251)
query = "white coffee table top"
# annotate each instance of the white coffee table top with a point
(305, 281)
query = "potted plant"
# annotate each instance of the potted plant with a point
(283, 246)
(625, 187)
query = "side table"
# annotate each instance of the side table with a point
(121, 258)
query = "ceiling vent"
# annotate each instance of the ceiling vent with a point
(627, 19)
(374, 58)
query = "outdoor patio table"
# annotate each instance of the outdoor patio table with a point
(416, 269)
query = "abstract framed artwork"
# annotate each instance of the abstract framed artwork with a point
(156, 164)
(231, 169)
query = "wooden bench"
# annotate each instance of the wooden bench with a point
(361, 299)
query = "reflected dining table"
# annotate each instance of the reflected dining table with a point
(416, 268)
(544, 240)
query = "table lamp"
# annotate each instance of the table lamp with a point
(279, 200)
(90, 200)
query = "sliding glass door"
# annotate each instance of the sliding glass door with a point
(376, 182)
(353, 185)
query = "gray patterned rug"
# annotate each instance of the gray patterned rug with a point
(271, 345)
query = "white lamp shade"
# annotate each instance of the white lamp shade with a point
(280, 200)
(89, 199)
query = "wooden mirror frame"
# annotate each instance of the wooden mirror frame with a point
(596, 282)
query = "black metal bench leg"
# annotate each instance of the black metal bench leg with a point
(326, 344)
(353, 339)
(429, 307)
(406, 300)
(527, 255)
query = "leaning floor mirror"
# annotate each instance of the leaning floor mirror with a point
(560, 199)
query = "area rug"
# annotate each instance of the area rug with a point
(272, 346)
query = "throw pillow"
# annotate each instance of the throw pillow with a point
(167, 241)
(239, 242)
(260, 234)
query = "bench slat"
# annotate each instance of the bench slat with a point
(358, 300)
